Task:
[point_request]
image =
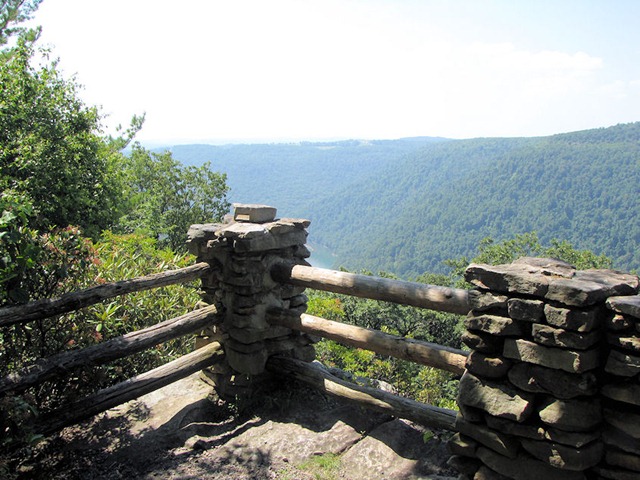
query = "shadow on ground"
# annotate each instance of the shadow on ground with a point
(178, 433)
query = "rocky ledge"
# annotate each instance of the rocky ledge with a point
(177, 432)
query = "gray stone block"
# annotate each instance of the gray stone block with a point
(567, 360)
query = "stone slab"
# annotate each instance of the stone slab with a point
(567, 360)
(525, 309)
(629, 305)
(572, 439)
(512, 278)
(483, 342)
(573, 319)
(622, 364)
(486, 366)
(615, 437)
(481, 301)
(619, 323)
(624, 420)
(510, 427)
(525, 467)
(563, 456)
(558, 337)
(253, 213)
(498, 442)
(630, 343)
(536, 432)
(248, 363)
(470, 414)
(537, 379)
(553, 280)
(571, 415)
(624, 460)
(497, 399)
(462, 445)
(615, 473)
(626, 392)
(494, 325)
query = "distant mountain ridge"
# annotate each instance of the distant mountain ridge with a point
(290, 176)
(406, 205)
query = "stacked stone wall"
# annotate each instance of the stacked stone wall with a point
(545, 386)
(242, 253)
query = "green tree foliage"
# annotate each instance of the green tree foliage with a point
(50, 149)
(163, 197)
(62, 178)
(13, 13)
(526, 245)
(116, 257)
(440, 202)
(292, 176)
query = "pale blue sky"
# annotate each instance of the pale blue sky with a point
(225, 71)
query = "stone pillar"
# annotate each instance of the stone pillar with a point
(530, 402)
(242, 253)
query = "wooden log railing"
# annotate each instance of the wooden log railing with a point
(430, 354)
(75, 300)
(130, 389)
(113, 349)
(119, 347)
(407, 293)
(433, 297)
(369, 397)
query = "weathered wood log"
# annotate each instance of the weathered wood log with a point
(118, 347)
(433, 297)
(368, 397)
(129, 389)
(425, 353)
(75, 300)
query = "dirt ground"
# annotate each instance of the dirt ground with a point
(178, 433)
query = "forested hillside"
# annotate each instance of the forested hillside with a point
(406, 205)
(438, 204)
(293, 176)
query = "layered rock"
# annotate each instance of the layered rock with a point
(242, 253)
(532, 402)
(621, 390)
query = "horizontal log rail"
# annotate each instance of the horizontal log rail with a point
(367, 397)
(118, 347)
(431, 354)
(433, 297)
(83, 298)
(129, 389)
